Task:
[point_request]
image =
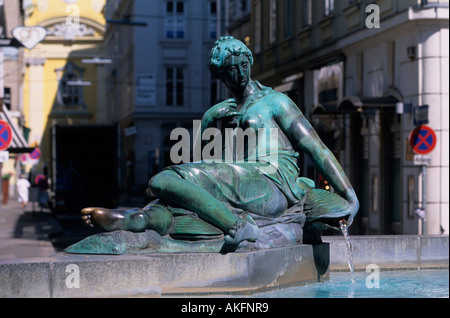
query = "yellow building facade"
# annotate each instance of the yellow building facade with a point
(60, 85)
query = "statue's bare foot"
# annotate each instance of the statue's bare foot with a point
(114, 219)
(245, 230)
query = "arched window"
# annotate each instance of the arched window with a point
(70, 90)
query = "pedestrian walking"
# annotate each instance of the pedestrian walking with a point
(23, 187)
(43, 194)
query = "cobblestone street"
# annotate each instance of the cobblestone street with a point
(24, 233)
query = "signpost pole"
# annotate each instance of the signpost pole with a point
(423, 141)
(424, 197)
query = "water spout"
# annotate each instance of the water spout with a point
(344, 229)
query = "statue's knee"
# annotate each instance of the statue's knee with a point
(159, 182)
(155, 184)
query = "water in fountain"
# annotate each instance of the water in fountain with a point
(344, 229)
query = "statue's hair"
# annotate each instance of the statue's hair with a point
(225, 46)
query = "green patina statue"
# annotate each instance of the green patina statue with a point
(229, 204)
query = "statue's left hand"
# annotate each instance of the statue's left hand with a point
(353, 205)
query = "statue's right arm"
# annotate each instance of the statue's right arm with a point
(224, 109)
(227, 108)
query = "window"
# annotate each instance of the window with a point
(287, 32)
(411, 197)
(359, 73)
(7, 97)
(273, 22)
(390, 63)
(213, 19)
(374, 197)
(174, 86)
(213, 91)
(175, 20)
(243, 5)
(306, 13)
(70, 91)
(329, 7)
(258, 26)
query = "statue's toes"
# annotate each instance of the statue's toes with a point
(244, 231)
(87, 211)
(89, 215)
(87, 220)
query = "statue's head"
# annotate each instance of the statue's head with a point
(224, 47)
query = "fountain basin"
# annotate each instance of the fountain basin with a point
(212, 273)
(425, 283)
(75, 275)
(390, 251)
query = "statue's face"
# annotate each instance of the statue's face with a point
(236, 71)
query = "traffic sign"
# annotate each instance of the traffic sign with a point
(38, 178)
(422, 160)
(421, 115)
(24, 158)
(422, 139)
(35, 154)
(5, 135)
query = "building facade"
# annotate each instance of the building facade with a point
(160, 78)
(237, 21)
(12, 68)
(359, 70)
(60, 86)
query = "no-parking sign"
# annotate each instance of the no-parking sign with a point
(5, 135)
(422, 139)
(35, 154)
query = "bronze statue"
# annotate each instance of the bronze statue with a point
(231, 202)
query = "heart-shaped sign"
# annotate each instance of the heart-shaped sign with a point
(29, 36)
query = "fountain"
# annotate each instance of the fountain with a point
(247, 198)
(344, 229)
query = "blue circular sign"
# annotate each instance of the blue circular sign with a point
(35, 154)
(5, 135)
(422, 140)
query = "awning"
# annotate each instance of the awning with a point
(351, 104)
(323, 109)
(356, 103)
(18, 142)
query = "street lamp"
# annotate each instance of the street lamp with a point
(97, 61)
(79, 83)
